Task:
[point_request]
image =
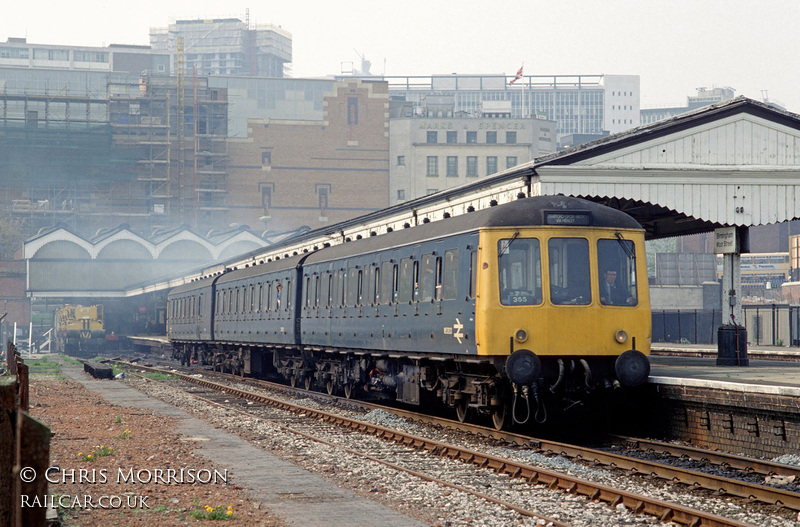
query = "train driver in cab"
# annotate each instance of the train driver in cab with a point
(611, 293)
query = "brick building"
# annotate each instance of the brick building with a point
(13, 301)
(289, 173)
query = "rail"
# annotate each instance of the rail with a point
(533, 475)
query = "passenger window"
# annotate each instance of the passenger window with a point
(376, 284)
(307, 302)
(360, 297)
(473, 273)
(406, 283)
(252, 298)
(244, 300)
(387, 285)
(519, 271)
(351, 292)
(287, 286)
(275, 301)
(569, 271)
(314, 290)
(616, 260)
(450, 274)
(325, 288)
(428, 278)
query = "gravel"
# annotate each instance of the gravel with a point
(436, 504)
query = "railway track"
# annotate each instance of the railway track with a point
(744, 486)
(631, 501)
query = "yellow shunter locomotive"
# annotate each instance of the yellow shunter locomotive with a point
(79, 329)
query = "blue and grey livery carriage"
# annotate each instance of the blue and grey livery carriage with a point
(508, 306)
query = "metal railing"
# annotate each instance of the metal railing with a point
(766, 324)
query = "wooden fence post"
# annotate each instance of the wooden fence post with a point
(33, 447)
(8, 423)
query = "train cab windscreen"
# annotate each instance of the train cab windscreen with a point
(520, 271)
(617, 272)
(570, 282)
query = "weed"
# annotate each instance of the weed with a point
(103, 451)
(213, 513)
(91, 456)
(43, 366)
(157, 376)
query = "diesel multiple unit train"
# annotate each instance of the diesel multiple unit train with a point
(510, 312)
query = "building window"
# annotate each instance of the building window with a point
(511, 161)
(491, 165)
(472, 137)
(401, 161)
(431, 191)
(452, 166)
(352, 110)
(452, 137)
(401, 195)
(472, 166)
(433, 166)
(433, 137)
(491, 138)
(322, 194)
(511, 138)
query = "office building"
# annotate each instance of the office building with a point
(224, 46)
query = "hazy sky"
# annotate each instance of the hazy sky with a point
(675, 46)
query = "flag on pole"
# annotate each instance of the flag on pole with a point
(518, 76)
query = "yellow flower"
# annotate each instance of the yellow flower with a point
(89, 456)
(230, 512)
(80, 453)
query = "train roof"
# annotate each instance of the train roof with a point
(527, 212)
(268, 267)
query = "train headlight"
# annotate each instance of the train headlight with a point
(521, 335)
(621, 336)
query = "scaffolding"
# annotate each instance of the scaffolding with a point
(180, 142)
(93, 160)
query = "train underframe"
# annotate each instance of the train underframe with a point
(465, 384)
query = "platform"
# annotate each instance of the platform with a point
(761, 376)
(752, 410)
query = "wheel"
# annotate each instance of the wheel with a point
(461, 409)
(293, 381)
(499, 416)
(348, 390)
(307, 383)
(329, 387)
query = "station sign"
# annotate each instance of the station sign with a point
(725, 240)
